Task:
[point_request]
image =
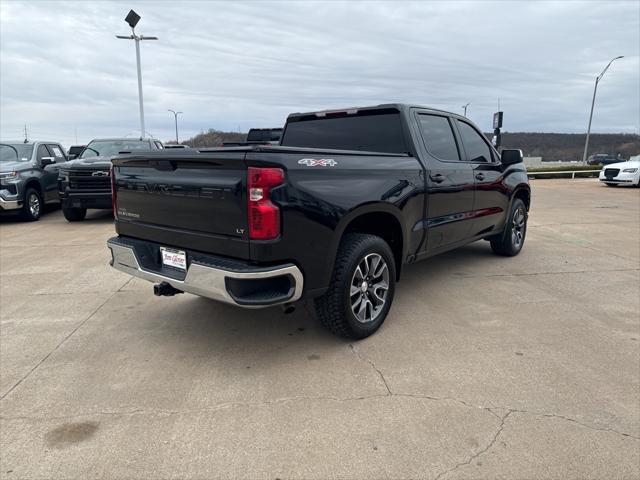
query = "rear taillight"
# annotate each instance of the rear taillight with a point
(114, 192)
(263, 216)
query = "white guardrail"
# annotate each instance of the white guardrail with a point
(563, 172)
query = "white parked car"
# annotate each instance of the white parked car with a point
(623, 173)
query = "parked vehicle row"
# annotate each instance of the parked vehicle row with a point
(604, 159)
(258, 136)
(623, 173)
(85, 182)
(331, 214)
(36, 173)
(29, 176)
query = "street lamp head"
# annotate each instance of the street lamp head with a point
(132, 19)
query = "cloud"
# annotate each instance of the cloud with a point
(236, 65)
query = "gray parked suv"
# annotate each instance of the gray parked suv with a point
(29, 176)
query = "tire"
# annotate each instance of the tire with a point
(511, 241)
(32, 205)
(339, 309)
(74, 214)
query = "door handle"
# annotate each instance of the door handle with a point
(480, 176)
(437, 178)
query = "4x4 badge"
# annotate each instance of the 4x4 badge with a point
(318, 162)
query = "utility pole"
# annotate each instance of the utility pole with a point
(175, 115)
(132, 19)
(593, 101)
(465, 108)
(26, 134)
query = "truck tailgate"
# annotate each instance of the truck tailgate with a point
(192, 201)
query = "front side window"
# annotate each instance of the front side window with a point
(477, 149)
(43, 152)
(438, 137)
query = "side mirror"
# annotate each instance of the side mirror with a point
(511, 157)
(44, 161)
(72, 156)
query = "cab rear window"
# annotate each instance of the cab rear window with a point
(369, 132)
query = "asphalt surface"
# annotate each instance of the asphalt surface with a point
(487, 367)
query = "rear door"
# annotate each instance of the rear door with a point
(491, 197)
(449, 183)
(192, 201)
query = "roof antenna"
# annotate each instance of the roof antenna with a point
(26, 134)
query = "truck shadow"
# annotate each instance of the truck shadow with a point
(99, 216)
(14, 217)
(205, 327)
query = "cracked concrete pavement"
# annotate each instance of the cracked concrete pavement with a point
(487, 367)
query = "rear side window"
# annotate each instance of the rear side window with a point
(365, 132)
(438, 137)
(477, 149)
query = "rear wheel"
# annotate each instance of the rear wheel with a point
(74, 214)
(511, 241)
(32, 207)
(362, 287)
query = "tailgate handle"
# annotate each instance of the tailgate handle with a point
(163, 164)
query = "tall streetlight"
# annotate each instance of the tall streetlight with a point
(175, 115)
(465, 108)
(132, 19)
(593, 101)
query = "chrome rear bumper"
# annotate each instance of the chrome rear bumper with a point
(211, 281)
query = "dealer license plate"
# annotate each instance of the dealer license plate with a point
(174, 258)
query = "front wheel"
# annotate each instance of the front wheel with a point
(362, 287)
(74, 214)
(511, 241)
(32, 207)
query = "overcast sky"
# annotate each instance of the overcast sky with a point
(236, 65)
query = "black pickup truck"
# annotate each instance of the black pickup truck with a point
(84, 182)
(330, 214)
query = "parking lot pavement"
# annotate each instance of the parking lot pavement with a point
(487, 367)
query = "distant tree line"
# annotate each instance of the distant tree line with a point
(549, 146)
(214, 138)
(570, 146)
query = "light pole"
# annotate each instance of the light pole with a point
(593, 101)
(132, 19)
(175, 115)
(465, 108)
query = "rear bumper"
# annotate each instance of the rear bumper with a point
(217, 278)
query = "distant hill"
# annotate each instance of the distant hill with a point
(570, 146)
(214, 138)
(549, 146)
